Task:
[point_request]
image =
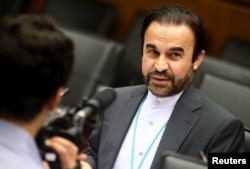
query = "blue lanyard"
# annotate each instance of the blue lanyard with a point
(134, 136)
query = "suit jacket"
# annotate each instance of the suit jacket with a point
(197, 123)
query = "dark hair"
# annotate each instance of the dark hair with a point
(35, 60)
(177, 15)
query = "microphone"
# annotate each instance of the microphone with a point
(60, 125)
(99, 102)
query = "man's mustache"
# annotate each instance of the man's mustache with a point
(164, 74)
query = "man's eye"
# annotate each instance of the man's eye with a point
(175, 55)
(153, 52)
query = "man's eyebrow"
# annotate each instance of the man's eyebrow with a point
(149, 45)
(177, 49)
(172, 49)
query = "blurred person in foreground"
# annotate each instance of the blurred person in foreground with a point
(35, 63)
(167, 113)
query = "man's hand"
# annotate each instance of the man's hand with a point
(66, 150)
(84, 165)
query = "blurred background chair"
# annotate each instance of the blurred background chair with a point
(247, 140)
(171, 160)
(237, 51)
(10, 7)
(129, 72)
(232, 95)
(222, 68)
(82, 15)
(95, 65)
(226, 83)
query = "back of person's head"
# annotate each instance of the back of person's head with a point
(175, 14)
(35, 61)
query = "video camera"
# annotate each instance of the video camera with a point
(68, 122)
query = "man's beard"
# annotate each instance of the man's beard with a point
(169, 89)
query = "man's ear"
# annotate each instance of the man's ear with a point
(56, 99)
(199, 60)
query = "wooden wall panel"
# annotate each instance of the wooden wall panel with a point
(33, 6)
(221, 18)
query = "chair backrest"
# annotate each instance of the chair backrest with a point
(237, 51)
(129, 72)
(247, 140)
(226, 83)
(171, 160)
(89, 16)
(221, 68)
(232, 95)
(95, 64)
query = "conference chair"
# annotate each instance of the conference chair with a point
(232, 95)
(88, 16)
(171, 160)
(247, 140)
(221, 68)
(237, 51)
(129, 72)
(95, 65)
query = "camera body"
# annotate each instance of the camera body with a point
(60, 123)
(69, 122)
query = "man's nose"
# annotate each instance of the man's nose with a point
(161, 64)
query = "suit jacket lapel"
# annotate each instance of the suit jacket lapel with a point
(123, 118)
(180, 124)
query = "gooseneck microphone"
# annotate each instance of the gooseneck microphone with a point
(96, 104)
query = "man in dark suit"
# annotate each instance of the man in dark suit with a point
(168, 113)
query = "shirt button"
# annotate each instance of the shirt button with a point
(151, 123)
(157, 102)
(140, 153)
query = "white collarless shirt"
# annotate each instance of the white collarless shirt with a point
(142, 139)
